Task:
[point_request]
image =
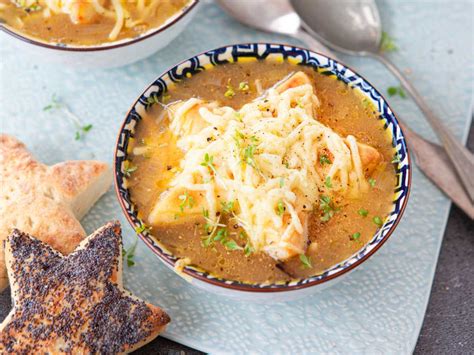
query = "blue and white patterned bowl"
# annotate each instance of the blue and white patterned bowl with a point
(300, 56)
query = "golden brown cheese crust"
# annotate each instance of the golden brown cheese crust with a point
(76, 303)
(45, 201)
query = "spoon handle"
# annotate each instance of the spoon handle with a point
(462, 159)
(313, 43)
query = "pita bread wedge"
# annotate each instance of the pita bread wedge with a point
(46, 201)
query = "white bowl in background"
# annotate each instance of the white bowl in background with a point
(107, 55)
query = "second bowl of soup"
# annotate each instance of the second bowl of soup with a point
(93, 33)
(262, 171)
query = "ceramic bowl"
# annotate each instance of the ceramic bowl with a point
(268, 52)
(107, 55)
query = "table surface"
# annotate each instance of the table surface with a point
(447, 328)
(422, 59)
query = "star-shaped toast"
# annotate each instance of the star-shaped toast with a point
(46, 201)
(75, 303)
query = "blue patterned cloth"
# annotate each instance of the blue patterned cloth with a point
(380, 307)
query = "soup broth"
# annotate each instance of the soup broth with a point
(353, 222)
(81, 23)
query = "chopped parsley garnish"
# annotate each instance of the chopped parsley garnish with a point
(378, 221)
(129, 254)
(396, 158)
(81, 129)
(244, 86)
(186, 201)
(299, 103)
(227, 207)
(230, 93)
(387, 44)
(142, 228)
(248, 249)
(305, 261)
(327, 208)
(282, 182)
(238, 116)
(208, 162)
(396, 90)
(328, 182)
(323, 159)
(363, 212)
(355, 236)
(280, 207)
(128, 168)
(372, 182)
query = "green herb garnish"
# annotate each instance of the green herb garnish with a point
(280, 207)
(372, 182)
(128, 168)
(363, 212)
(221, 236)
(387, 43)
(227, 207)
(396, 90)
(396, 158)
(186, 201)
(365, 103)
(129, 254)
(282, 182)
(208, 162)
(355, 236)
(244, 86)
(328, 182)
(81, 129)
(305, 261)
(378, 221)
(230, 93)
(323, 159)
(54, 104)
(231, 245)
(142, 228)
(327, 207)
(246, 150)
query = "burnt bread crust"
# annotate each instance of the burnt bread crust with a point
(74, 303)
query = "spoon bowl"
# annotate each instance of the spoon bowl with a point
(356, 30)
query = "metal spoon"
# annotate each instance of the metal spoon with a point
(355, 29)
(275, 16)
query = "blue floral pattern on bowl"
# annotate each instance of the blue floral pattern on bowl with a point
(298, 56)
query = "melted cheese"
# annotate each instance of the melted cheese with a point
(265, 158)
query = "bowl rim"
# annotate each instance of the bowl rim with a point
(104, 46)
(242, 286)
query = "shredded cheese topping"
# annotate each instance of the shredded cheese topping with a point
(265, 158)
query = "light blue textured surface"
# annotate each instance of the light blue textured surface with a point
(380, 307)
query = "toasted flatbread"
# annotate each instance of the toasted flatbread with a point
(46, 201)
(76, 303)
